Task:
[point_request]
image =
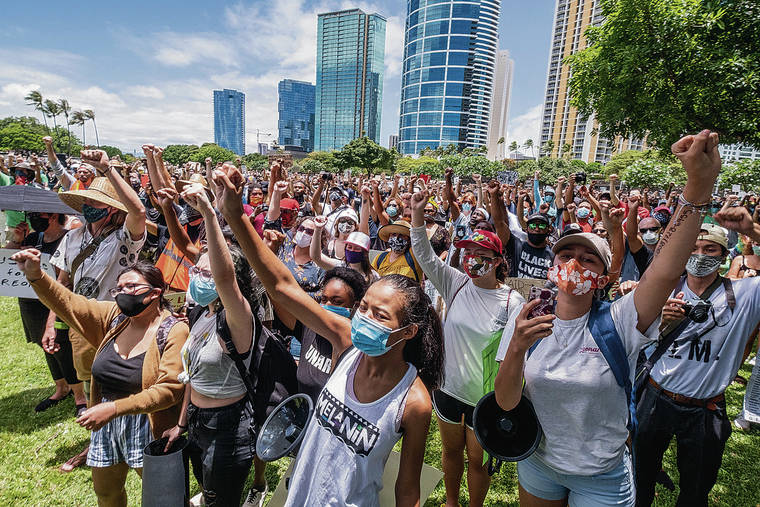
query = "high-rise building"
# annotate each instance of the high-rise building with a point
(502, 85)
(295, 106)
(446, 88)
(229, 120)
(561, 124)
(393, 141)
(263, 148)
(350, 68)
(734, 152)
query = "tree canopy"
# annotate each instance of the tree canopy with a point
(216, 152)
(178, 154)
(364, 153)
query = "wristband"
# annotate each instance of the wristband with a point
(183, 428)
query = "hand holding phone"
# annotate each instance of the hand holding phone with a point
(546, 306)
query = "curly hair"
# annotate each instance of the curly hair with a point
(352, 278)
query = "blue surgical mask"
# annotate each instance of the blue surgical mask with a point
(756, 250)
(549, 198)
(92, 214)
(582, 213)
(466, 206)
(202, 292)
(392, 211)
(338, 310)
(369, 336)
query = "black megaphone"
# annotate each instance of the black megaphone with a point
(282, 432)
(506, 435)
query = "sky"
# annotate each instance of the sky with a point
(148, 69)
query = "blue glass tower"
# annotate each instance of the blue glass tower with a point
(296, 113)
(229, 120)
(447, 83)
(350, 65)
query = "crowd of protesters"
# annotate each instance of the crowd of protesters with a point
(386, 291)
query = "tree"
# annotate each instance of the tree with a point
(660, 69)
(745, 173)
(15, 137)
(90, 115)
(313, 166)
(364, 153)
(326, 158)
(652, 173)
(77, 118)
(178, 154)
(529, 145)
(619, 162)
(216, 152)
(547, 148)
(566, 149)
(256, 161)
(65, 109)
(34, 98)
(112, 151)
(52, 109)
(513, 146)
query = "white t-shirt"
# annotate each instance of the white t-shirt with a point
(98, 272)
(581, 408)
(705, 367)
(472, 319)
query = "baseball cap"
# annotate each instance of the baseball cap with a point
(538, 217)
(481, 239)
(600, 246)
(290, 204)
(359, 239)
(714, 233)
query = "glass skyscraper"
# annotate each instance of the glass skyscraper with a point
(295, 106)
(229, 120)
(350, 65)
(449, 60)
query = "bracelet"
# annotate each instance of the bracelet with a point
(683, 202)
(183, 428)
(103, 173)
(35, 280)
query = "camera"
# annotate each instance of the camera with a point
(580, 178)
(697, 312)
(326, 176)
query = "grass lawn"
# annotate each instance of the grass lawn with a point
(32, 446)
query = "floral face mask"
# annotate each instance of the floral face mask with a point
(573, 278)
(476, 266)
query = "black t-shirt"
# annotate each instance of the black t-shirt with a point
(527, 261)
(642, 258)
(315, 362)
(36, 240)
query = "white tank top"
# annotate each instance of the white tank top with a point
(343, 454)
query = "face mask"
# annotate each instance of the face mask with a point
(346, 228)
(202, 292)
(398, 243)
(392, 211)
(536, 238)
(354, 257)
(549, 198)
(132, 304)
(302, 239)
(573, 278)
(582, 213)
(650, 237)
(661, 217)
(701, 265)
(338, 310)
(255, 201)
(371, 337)
(287, 220)
(92, 214)
(756, 250)
(39, 224)
(466, 206)
(476, 266)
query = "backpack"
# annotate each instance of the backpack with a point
(611, 346)
(162, 334)
(409, 260)
(271, 376)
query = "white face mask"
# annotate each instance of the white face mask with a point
(346, 228)
(650, 237)
(302, 239)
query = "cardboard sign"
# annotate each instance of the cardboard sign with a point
(523, 285)
(506, 177)
(176, 299)
(736, 188)
(12, 281)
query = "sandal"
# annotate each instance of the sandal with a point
(76, 461)
(49, 402)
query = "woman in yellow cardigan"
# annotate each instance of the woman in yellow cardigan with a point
(135, 390)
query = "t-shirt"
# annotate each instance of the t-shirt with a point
(315, 362)
(472, 318)
(582, 410)
(527, 261)
(704, 367)
(99, 272)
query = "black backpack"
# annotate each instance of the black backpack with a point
(271, 376)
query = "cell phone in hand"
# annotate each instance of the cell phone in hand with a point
(580, 178)
(546, 306)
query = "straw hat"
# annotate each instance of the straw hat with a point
(198, 178)
(100, 190)
(398, 227)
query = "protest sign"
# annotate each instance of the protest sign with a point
(176, 299)
(752, 396)
(12, 281)
(523, 285)
(506, 177)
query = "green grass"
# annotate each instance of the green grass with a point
(32, 446)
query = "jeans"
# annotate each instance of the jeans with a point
(221, 449)
(701, 436)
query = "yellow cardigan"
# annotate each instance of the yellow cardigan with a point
(162, 392)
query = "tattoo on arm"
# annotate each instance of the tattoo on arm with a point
(684, 212)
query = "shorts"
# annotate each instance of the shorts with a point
(122, 439)
(615, 487)
(451, 410)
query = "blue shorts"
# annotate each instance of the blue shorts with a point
(615, 487)
(122, 439)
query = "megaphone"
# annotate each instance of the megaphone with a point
(506, 435)
(283, 430)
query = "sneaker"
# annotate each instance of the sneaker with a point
(256, 497)
(197, 500)
(742, 423)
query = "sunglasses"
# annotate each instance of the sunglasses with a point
(650, 229)
(301, 228)
(538, 226)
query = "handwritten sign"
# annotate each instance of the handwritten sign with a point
(176, 299)
(12, 281)
(506, 177)
(523, 285)
(752, 396)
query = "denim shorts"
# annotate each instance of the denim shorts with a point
(615, 487)
(122, 439)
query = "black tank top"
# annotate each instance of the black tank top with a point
(315, 362)
(117, 377)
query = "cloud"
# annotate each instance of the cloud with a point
(525, 126)
(181, 50)
(145, 92)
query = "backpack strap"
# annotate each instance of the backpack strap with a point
(162, 335)
(249, 380)
(730, 296)
(410, 260)
(90, 249)
(448, 307)
(381, 257)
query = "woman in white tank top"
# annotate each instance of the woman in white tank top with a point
(376, 394)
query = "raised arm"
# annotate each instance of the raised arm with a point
(700, 158)
(364, 211)
(315, 204)
(613, 191)
(274, 205)
(632, 224)
(382, 216)
(178, 234)
(157, 179)
(479, 189)
(64, 176)
(521, 210)
(315, 248)
(613, 224)
(499, 212)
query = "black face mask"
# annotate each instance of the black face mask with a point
(132, 304)
(536, 239)
(39, 224)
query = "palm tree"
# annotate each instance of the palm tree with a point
(77, 118)
(529, 144)
(34, 98)
(53, 110)
(65, 108)
(513, 146)
(566, 149)
(548, 148)
(90, 115)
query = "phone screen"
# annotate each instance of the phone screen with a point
(547, 297)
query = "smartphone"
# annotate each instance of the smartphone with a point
(580, 178)
(547, 297)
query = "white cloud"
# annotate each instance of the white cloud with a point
(145, 92)
(525, 126)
